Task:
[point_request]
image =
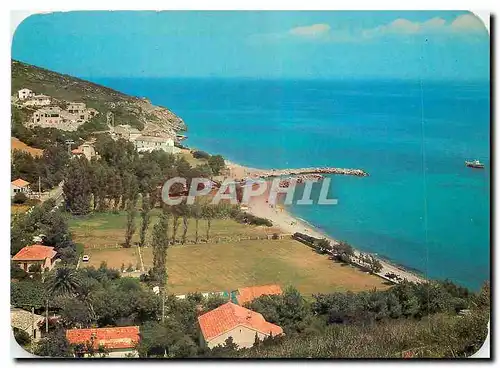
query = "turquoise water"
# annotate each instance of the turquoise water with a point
(437, 221)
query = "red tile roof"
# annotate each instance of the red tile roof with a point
(109, 338)
(35, 253)
(228, 316)
(77, 151)
(20, 183)
(248, 294)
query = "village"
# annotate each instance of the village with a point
(102, 267)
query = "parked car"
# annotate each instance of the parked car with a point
(85, 258)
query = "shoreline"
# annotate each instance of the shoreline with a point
(287, 222)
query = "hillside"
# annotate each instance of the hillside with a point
(16, 144)
(138, 112)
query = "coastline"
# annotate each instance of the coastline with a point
(289, 223)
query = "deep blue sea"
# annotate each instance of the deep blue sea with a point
(420, 207)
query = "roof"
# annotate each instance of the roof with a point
(22, 319)
(228, 316)
(248, 294)
(110, 337)
(20, 183)
(34, 252)
(77, 151)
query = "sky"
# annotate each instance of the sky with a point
(257, 44)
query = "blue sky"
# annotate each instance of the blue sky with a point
(409, 45)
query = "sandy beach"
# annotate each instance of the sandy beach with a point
(289, 224)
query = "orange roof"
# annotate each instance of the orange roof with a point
(228, 316)
(77, 151)
(109, 338)
(20, 183)
(34, 253)
(248, 294)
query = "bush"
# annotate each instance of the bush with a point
(20, 198)
(17, 272)
(247, 218)
(201, 154)
(21, 336)
(35, 268)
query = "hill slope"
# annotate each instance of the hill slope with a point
(131, 110)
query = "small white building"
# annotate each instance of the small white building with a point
(76, 108)
(148, 144)
(86, 149)
(24, 93)
(38, 100)
(19, 186)
(126, 132)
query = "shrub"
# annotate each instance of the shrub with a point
(35, 268)
(201, 155)
(20, 198)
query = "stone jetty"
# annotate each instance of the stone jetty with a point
(310, 171)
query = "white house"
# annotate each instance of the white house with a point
(19, 186)
(24, 93)
(147, 144)
(126, 132)
(232, 320)
(38, 100)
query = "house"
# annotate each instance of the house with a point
(232, 320)
(86, 149)
(28, 322)
(76, 108)
(48, 117)
(247, 294)
(148, 143)
(35, 255)
(19, 186)
(38, 100)
(126, 132)
(119, 342)
(24, 93)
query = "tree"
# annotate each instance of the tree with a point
(76, 188)
(21, 336)
(130, 228)
(54, 344)
(374, 264)
(217, 164)
(19, 198)
(343, 251)
(160, 246)
(64, 281)
(208, 212)
(145, 217)
(197, 212)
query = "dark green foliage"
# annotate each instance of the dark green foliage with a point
(17, 272)
(21, 336)
(247, 218)
(54, 344)
(35, 268)
(201, 155)
(28, 293)
(77, 187)
(130, 227)
(19, 198)
(289, 310)
(160, 246)
(217, 164)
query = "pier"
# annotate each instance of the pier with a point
(310, 171)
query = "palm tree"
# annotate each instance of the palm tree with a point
(63, 282)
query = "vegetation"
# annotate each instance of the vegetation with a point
(134, 111)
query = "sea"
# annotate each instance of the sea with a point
(420, 207)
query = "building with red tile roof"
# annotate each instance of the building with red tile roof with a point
(232, 320)
(19, 186)
(247, 294)
(35, 255)
(118, 341)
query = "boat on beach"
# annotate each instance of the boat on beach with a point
(476, 164)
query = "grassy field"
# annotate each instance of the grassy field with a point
(227, 266)
(108, 229)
